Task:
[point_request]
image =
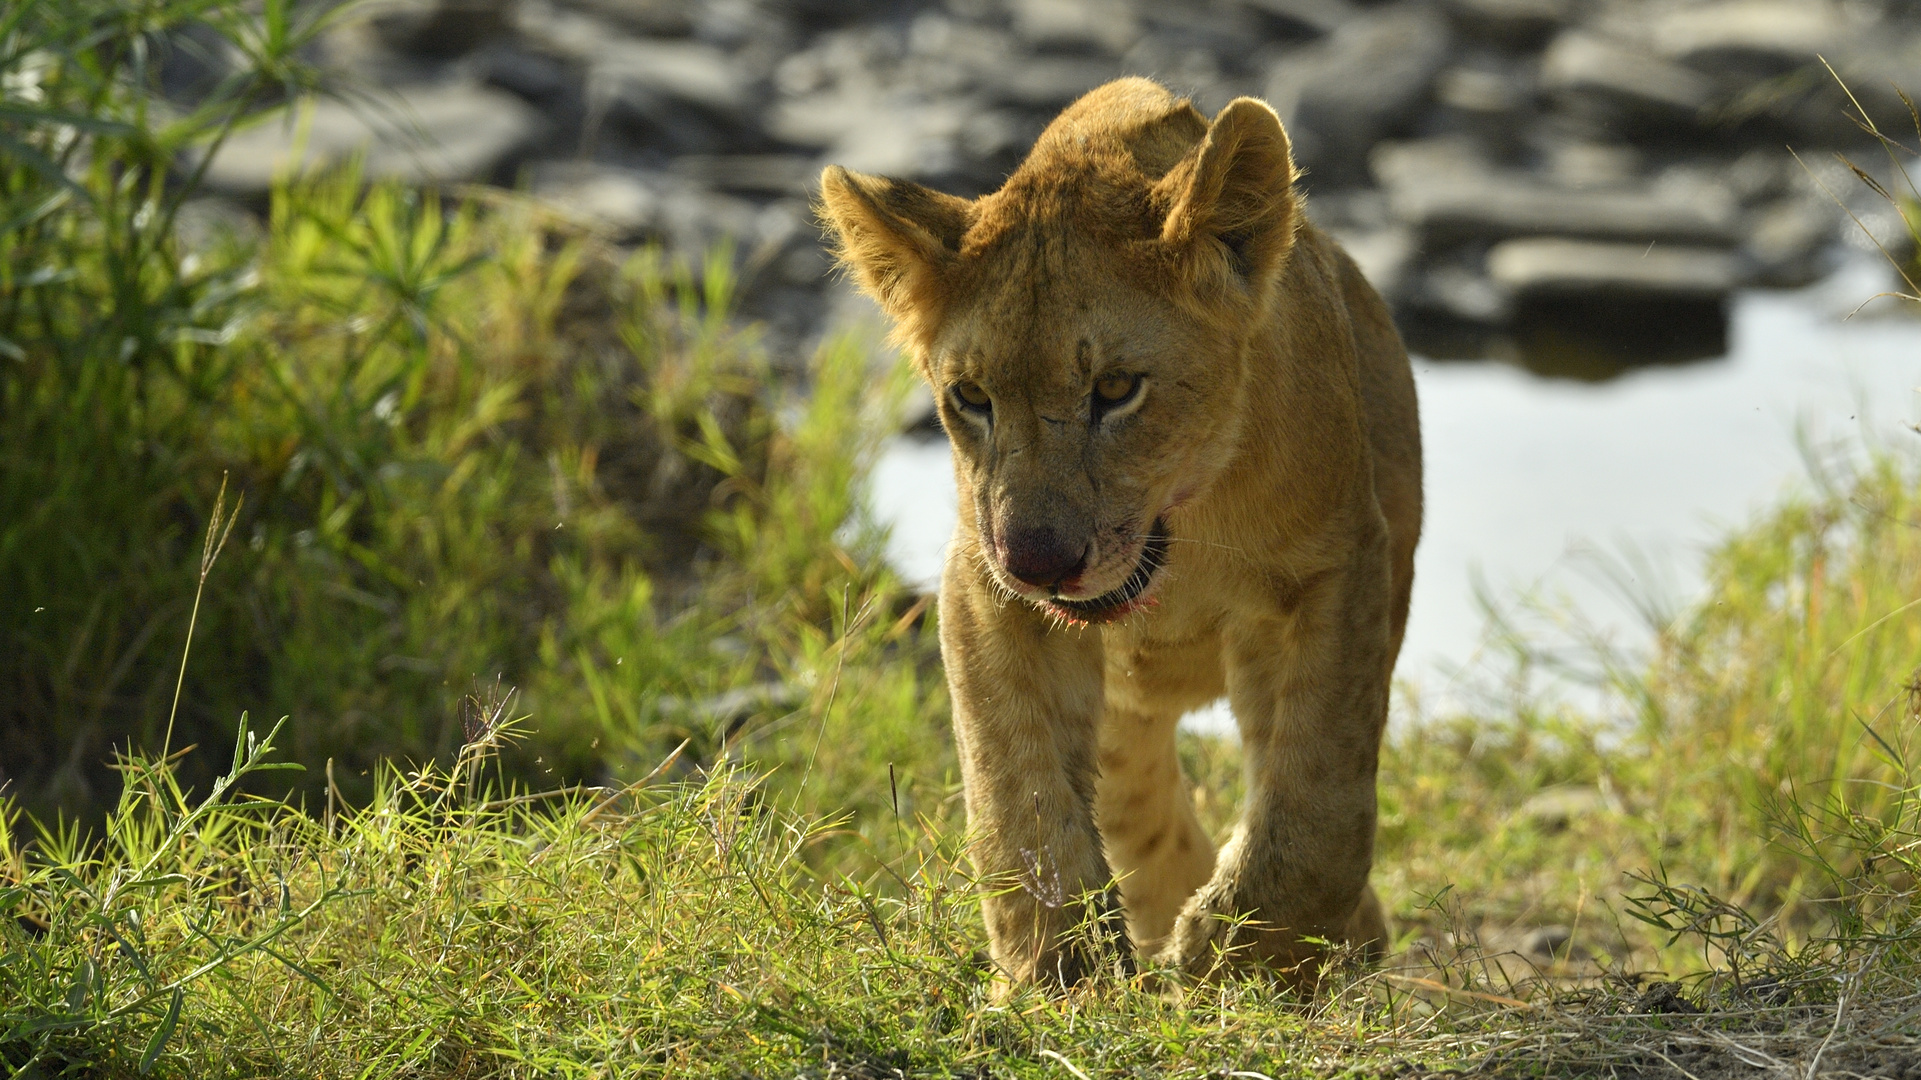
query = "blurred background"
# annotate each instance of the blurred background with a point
(524, 442)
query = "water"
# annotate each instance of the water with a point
(1527, 476)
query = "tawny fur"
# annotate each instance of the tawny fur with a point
(1275, 437)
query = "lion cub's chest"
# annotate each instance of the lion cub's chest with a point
(1169, 661)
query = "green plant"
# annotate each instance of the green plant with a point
(474, 444)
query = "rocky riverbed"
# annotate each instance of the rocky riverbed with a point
(1578, 184)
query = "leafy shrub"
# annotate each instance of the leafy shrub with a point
(475, 448)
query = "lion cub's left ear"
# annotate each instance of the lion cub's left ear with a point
(900, 239)
(1231, 201)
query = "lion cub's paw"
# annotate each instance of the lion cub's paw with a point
(1204, 932)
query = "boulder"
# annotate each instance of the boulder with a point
(1457, 291)
(418, 135)
(680, 73)
(1509, 24)
(1310, 18)
(440, 28)
(868, 132)
(781, 174)
(637, 204)
(1750, 39)
(1366, 81)
(620, 201)
(1480, 91)
(652, 18)
(1383, 255)
(1450, 194)
(1790, 240)
(1582, 164)
(1817, 108)
(1421, 161)
(1624, 87)
(686, 73)
(1108, 26)
(1583, 310)
(1048, 82)
(1544, 266)
(1456, 210)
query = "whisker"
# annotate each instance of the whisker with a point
(1194, 540)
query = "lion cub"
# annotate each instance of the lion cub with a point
(1186, 432)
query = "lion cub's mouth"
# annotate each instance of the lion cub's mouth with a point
(1126, 598)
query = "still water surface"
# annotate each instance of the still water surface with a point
(1526, 476)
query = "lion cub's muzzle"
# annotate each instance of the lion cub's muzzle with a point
(1042, 557)
(1039, 559)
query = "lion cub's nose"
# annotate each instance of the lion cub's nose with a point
(1042, 557)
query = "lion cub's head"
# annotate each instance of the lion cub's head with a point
(1085, 327)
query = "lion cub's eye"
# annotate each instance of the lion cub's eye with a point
(970, 396)
(1115, 389)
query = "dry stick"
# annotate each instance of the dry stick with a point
(1848, 990)
(209, 551)
(1071, 1067)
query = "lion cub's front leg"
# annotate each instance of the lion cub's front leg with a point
(1308, 685)
(1027, 702)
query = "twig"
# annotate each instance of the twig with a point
(1071, 1067)
(1455, 991)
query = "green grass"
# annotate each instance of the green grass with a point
(474, 449)
(736, 924)
(623, 754)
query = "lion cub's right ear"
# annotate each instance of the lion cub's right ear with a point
(900, 239)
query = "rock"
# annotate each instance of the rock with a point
(1481, 91)
(782, 174)
(1075, 25)
(636, 203)
(653, 18)
(1397, 165)
(1762, 174)
(1305, 17)
(1665, 997)
(1750, 39)
(1366, 81)
(1510, 24)
(1225, 32)
(464, 132)
(1449, 210)
(1624, 87)
(1581, 164)
(618, 200)
(868, 133)
(1555, 808)
(674, 97)
(1549, 943)
(1458, 291)
(1875, 69)
(1789, 241)
(1383, 255)
(682, 72)
(1050, 82)
(1552, 266)
(441, 28)
(535, 76)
